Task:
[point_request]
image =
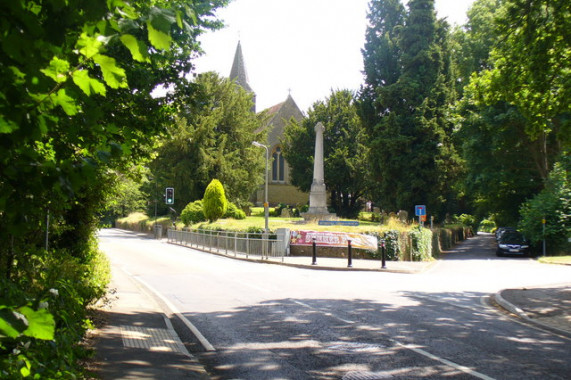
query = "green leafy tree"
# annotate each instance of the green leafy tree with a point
(531, 68)
(75, 100)
(212, 137)
(554, 204)
(499, 174)
(412, 157)
(473, 41)
(126, 197)
(214, 203)
(344, 151)
(486, 134)
(514, 113)
(75, 108)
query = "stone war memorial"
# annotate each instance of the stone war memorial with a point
(318, 194)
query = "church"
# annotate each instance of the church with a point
(279, 188)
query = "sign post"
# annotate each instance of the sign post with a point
(543, 221)
(420, 211)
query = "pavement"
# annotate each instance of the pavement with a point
(548, 308)
(137, 340)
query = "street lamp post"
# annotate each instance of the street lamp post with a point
(266, 205)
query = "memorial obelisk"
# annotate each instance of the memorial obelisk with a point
(318, 194)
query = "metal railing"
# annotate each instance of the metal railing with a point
(230, 243)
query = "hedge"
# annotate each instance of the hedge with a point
(139, 222)
(447, 237)
(416, 244)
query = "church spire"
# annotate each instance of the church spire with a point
(238, 72)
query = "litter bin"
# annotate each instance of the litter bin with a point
(158, 231)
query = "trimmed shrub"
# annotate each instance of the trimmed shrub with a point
(139, 222)
(421, 244)
(133, 222)
(214, 203)
(394, 246)
(449, 236)
(436, 249)
(234, 212)
(193, 213)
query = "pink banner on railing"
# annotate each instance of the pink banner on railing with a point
(334, 239)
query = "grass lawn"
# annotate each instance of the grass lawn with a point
(555, 260)
(257, 220)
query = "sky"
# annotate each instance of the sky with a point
(304, 47)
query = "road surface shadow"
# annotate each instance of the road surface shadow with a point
(326, 339)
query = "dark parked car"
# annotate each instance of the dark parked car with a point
(512, 243)
(501, 230)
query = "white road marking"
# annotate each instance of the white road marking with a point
(444, 361)
(303, 304)
(324, 312)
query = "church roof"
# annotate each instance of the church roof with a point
(279, 115)
(238, 71)
(274, 109)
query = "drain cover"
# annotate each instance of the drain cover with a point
(366, 376)
(355, 347)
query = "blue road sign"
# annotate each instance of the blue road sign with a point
(338, 223)
(420, 210)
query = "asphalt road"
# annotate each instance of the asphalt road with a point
(274, 322)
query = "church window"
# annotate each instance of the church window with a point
(278, 166)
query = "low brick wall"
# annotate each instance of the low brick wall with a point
(305, 250)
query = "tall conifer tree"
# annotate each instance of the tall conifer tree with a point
(212, 138)
(381, 55)
(412, 158)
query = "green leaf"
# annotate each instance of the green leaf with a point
(57, 70)
(123, 8)
(7, 126)
(11, 325)
(136, 47)
(113, 75)
(179, 19)
(88, 46)
(87, 84)
(18, 75)
(192, 14)
(66, 102)
(162, 19)
(41, 324)
(157, 38)
(25, 371)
